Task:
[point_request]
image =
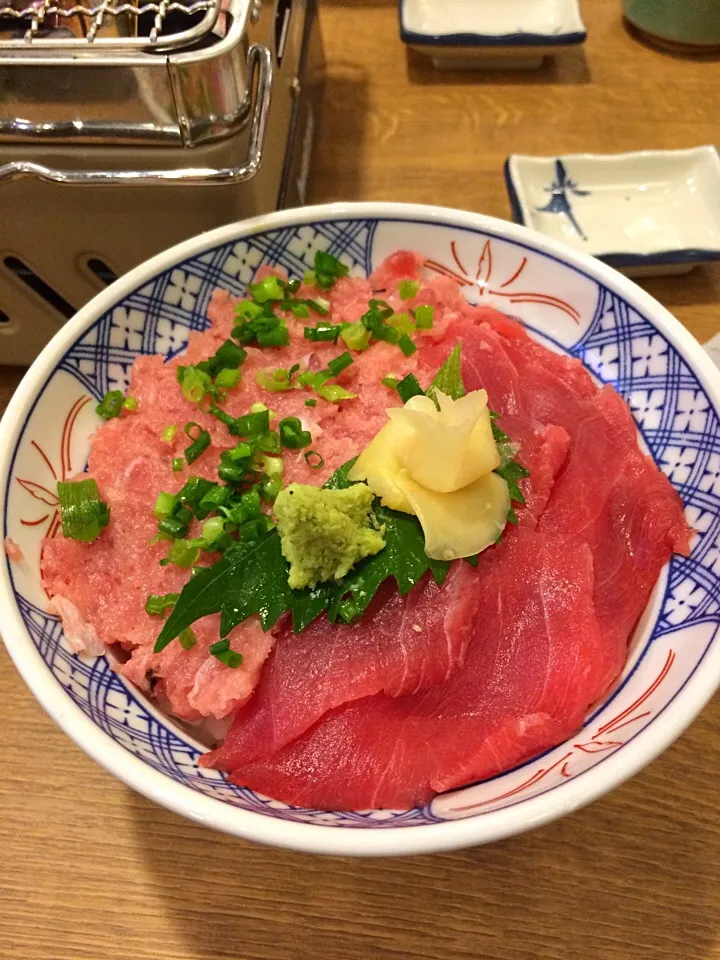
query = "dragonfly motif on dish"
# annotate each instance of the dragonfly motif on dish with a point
(559, 192)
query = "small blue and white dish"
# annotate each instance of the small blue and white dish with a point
(490, 34)
(647, 213)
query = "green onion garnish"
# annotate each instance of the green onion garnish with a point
(222, 652)
(253, 424)
(157, 604)
(227, 378)
(276, 381)
(168, 434)
(314, 460)
(355, 336)
(268, 442)
(390, 382)
(195, 383)
(271, 288)
(409, 387)
(187, 639)
(406, 345)
(338, 364)
(82, 512)
(323, 332)
(164, 505)
(402, 322)
(408, 289)
(319, 305)
(200, 441)
(110, 405)
(270, 487)
(183, 553)
(292, 434)
(300, 309)
(333, 392)
(276, 337)
(130, 403)
(178, 464)
(310, 278)
(212, 529)
(247, 310)
(311, 402)
(424, 317)
(328, 270)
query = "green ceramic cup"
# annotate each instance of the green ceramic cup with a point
(695, 23)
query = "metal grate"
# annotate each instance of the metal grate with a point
(165, 25)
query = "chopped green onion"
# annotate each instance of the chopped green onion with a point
(168, 434)
(310, 279)
(277, 337)
(338, 364)
(222, 652)
(314, 460)
(276, 381)
(110, 405)
(187, 639)
(212, 529)
(247, 310)
(334, 392)
(216, 497)
(311, 402)
(272, 466)
(157, 604)
(183, 553)
(270, 288)
(254, 424)
(328, 269)
(319, 305)
(82, 512)
(313, 380)
(195, 383)
(165, 504)
(176, 525)
(387, 333)
(270, 487)
(178, 464)
(246, 508)
(234, 469)
(355, 336)
(323, 332)
(424, 317)
(408, 289)
(390, 382)
(228, 378)
(378, 312)
(402, 322)
(258, 408)
(200, 441)
(300, 310)
(406, 345)
(268, 442)
(409, 387)
(130, 403)
(292, 434)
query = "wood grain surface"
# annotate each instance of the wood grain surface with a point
(90, 870)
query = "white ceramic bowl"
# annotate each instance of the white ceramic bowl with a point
(568, 300)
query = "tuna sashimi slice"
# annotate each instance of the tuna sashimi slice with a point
(614, 498)
(402, 646)
(536, 661)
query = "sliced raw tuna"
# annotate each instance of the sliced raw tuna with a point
(614, 498)
(536, 661)
(402, 646)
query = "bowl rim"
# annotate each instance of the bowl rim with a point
(615, 258)
(312, 837)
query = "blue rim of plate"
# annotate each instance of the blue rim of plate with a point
(567, 39)
(681, 256)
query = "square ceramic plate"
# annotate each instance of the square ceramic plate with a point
(653, 212)
(481, 34)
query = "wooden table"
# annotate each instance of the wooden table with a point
(89, 869)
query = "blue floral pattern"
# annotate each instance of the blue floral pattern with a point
(672, 411)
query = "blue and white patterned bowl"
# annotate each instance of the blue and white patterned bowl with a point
(569, 301)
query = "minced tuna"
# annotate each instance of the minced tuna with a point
(105, 584)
